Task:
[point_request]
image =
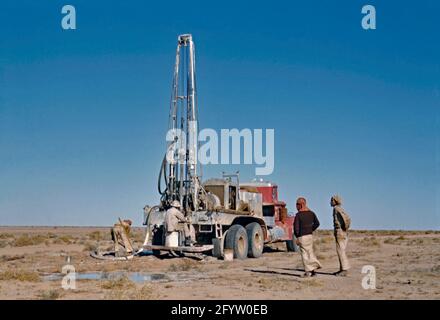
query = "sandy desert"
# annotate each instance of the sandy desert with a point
(407, 266)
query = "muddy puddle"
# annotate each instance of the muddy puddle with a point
(138, 277)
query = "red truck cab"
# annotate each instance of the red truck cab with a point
(275, 213)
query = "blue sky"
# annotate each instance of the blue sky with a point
(83, 113)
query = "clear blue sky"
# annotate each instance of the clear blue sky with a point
(83, 113)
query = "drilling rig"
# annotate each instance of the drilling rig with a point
(221, 214)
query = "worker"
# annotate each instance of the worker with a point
(120, 236)
(341, 223)
(175, 221)
(305, 224)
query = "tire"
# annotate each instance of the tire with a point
(237, 240)
(255, 240)
(291, 245)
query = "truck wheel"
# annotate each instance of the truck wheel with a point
(291, 245)
(255, 240)
(237, 240)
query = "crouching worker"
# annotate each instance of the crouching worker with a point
(305, 224)
(175, 221)
(120, 237)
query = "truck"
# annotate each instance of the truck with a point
(221, 213)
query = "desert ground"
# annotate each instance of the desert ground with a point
(407, 265)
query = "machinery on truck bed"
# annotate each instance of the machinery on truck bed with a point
(221, 213)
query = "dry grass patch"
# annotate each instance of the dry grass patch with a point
(185, 265)
(313, 283)
(89, 246)
(95, 235)
(397, 240)
(436, 269)
(265, 283)
(50, 295)
(4, 243)
(99, 236)
(369, 242)
(66, 239)
(146, 292)
(27, 240)
(7, 258)
(121, 283)
(19, 275)
(138, 236)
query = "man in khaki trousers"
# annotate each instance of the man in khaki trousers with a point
(341, 223)
(305, 224)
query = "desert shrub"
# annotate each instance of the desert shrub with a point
(436, 269)
(66, 239)
(369, 242)
(313, 283)
(4, 243)
(99, 236)
(185, 265)
(50, 295)
(416, 242)
(20, 275)
(95, 235)
(7, 258)
(264, 283)
(118, 284)
(26, 240)
(146, 292)
(138, 236)
(89, 246)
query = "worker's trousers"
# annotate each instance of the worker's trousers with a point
(307, 255)
(120, 238)
(341, 238)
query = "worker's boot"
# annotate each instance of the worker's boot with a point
(189, 241)
(307, 275)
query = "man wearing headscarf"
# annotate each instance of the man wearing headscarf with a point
(340, 222)
(305, 224)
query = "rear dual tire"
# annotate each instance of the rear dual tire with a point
(236, 240)
(245, 242)
(255, 240)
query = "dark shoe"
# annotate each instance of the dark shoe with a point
(307, 275)
(189, 242)
(313, 273)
